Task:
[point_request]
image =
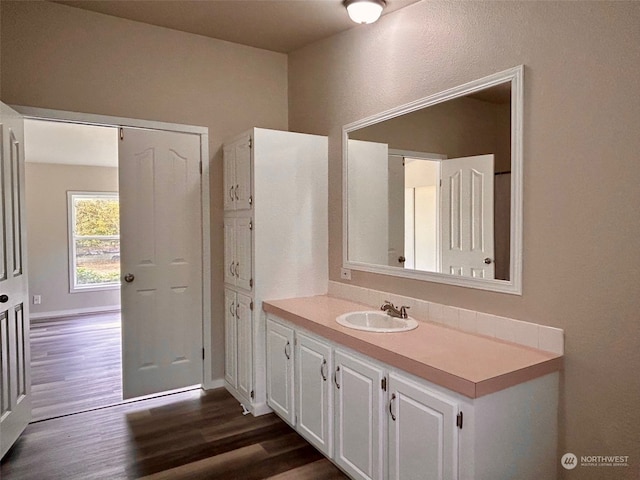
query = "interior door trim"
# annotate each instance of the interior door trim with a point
(104, 120)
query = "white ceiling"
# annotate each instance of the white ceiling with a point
(278, 25)
(70, 143)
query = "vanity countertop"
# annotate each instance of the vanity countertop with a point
(472, 365)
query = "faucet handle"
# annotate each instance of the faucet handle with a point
(403, 311)
(387, 303)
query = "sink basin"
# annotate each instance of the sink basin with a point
(376, 321)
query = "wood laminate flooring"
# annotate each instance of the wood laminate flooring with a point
(75, 364)
(190, 435)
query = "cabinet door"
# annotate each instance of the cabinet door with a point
(243, 253)
(422, 432)
(229, 251)
(229, 176)
(242, 189)
(280, 370)
(359, 435)
(313, 392)
(230, 339)
(244, 345)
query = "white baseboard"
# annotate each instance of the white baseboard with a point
(75, 311)
(212, 384)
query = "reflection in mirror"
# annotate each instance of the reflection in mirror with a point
(430, 190)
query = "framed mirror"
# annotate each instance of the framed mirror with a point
(432, 190)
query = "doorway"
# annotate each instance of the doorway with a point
(73, 246)
(104, 316)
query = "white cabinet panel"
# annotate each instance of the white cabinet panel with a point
(231, 339)
(313, 392)
(422, 432)
(238, 336)
(237, 175)
(244, 345)
(238, 267)
(229, 250)
(280, 370)
(358, 411)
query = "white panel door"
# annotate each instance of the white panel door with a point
(422, 433)
(466, 220)
(280, 370)
(231, 338)
(358, 424)
(161, 253)
(313, 392)
(15, 380)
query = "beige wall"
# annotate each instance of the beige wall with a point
(47, 226)
(581, 176)
(58, 57)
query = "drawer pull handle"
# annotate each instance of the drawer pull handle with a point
(287, 350)
(324, 364)
(335, 377)
(393, 397)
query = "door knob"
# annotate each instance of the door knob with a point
(4, 298)
(488, 261)
(402, 259)
(129, 278)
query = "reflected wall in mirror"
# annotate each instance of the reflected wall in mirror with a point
(433, 189)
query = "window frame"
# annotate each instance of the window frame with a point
(72, 238)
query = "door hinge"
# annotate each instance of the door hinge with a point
(253, 394)
(251, 305)
(250, 224)
(121, 133)
(251, 283)
(250, 142)
(203, 353)
(295, 419)
(383, 383)
(459, 419)
(200, 167)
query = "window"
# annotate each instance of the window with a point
(94, 241)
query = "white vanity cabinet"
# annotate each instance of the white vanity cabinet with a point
(359, 405)
(280, 395)
(422, 426)
(313, 389)
(275, 243)
(388, 424)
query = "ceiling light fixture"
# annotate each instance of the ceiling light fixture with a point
(364, 11)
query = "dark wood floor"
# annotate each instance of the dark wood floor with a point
(75, 364)
(191, 435)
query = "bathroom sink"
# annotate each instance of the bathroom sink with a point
(376, 321)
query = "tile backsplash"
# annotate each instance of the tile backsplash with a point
(523, 333)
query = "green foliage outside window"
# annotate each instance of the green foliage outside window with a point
(97, 217)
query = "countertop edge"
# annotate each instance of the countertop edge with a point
(440, 377)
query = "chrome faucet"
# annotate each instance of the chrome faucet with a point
(393, 311)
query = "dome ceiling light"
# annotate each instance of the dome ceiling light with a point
(364, 11)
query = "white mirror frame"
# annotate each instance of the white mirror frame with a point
(514, 284)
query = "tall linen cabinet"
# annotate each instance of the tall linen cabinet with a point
(275, 243)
